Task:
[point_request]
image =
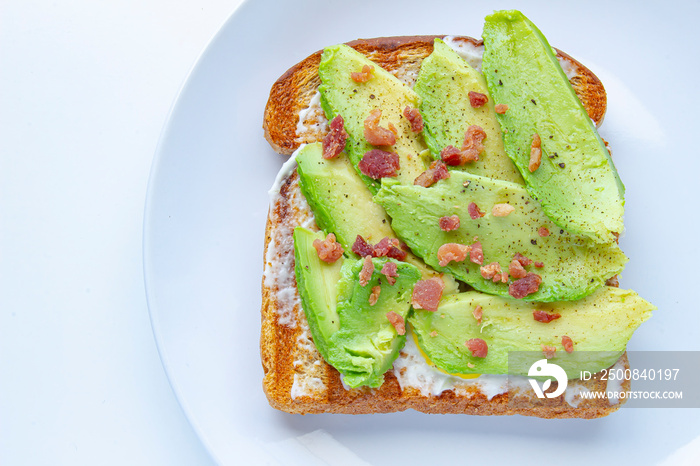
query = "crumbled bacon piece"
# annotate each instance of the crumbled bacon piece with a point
(502, 210)
(501, 109)
(477, 99)
(451, 155)
(478, 313)
(427, 294)
(390, 271)
(478, 347)
(544, 316)
(364, 75)
(434, 333)
(449, 223)
(535, 153)
(474, 211)
(377, 164)
(516, 269)
(374, 295)
(473, 143)
(452, 252)
(524, 261)
(328, 250)
(488, 271)
(567, 343)
(549, 351)
(415, 118)
(476, 254)
(361, 247)
(525, 286)
(539, 264)
(543, 231)
(436, 172)
(367, 270)
(383, 247)
(612, 281)
(397, 321)
(334, 142)
(375, 134)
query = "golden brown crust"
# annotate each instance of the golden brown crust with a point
(293, 91)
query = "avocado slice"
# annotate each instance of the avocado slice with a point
(444, 82)
(576, 182)
(353, 336)
(342, 204)
(600, 326)
(341, 95)
(317, 283)
(574, 266)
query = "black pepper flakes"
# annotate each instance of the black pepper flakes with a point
(562, 165)
(534, 242)
(533, 101)
(372, 96)
(500, 83)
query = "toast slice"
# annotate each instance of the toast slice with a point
(296, 378)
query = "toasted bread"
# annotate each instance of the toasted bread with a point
(297, 379)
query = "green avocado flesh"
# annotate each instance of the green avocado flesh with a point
(354, 101)
(353, 336)
(342, 204)
(576, 183)
(444, 83)
(599, 325)
(574, 266)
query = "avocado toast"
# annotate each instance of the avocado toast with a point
(386, 366)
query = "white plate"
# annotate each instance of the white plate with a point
(207, 205)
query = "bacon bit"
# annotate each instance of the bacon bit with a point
(334, 142)
(361, 247)
(544, 316)
(502, 210)
(473, 143)
(328, 250)
(525, 286)
(478, 313)
(390, 271)
(612, 281)
(377, 164)
(539, 264)
(434, 333)
(549, 351)
(374, 296)
(427, 294)
(476, 254)
(535, 153)
(367, 271)
(375, 134)
(501, 277)
(477, 99)
(568, 344)
(364, 75)
(392, 128)
(524, 261)
(436, 172)
(474, 211)
(397, 321)
(501, 109)
(478, 347)
(415, 118)
(516, 269)
(449, 223)
(543, 231)
(383, 247)
(451, 155)
(489, 271)
(452, 252)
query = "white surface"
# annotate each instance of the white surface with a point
(85, 88)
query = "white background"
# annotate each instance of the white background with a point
(85, 89)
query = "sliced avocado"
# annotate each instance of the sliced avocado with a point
(341, 95)
(317, 284)
(444, 83)
(599, 325)
(576, 182)
(342, 204)
(367, 344)
(573, 266)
